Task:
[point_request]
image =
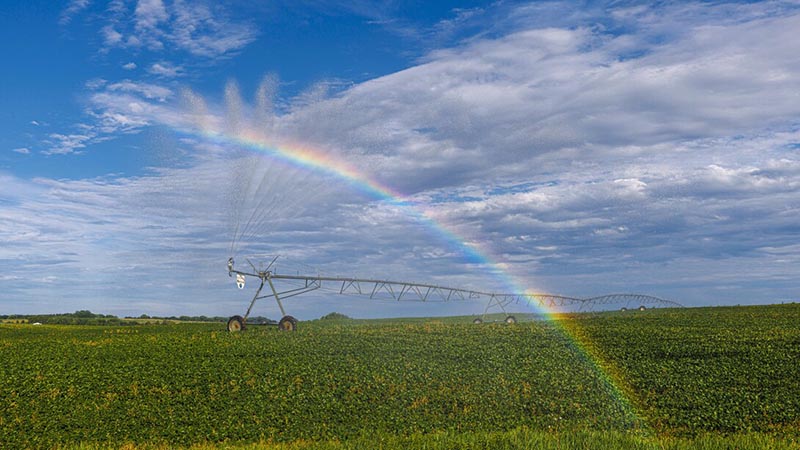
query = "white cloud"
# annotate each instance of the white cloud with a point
(146, 90)
(553, 95)
(150, 13)
(148, 16)
(199, 29)
(166, 69)
(74, 8)
(96, 83)
(21, 150)
(116, 108)
(63, 144)
(111, 37)
(129, 66)
(201, 32)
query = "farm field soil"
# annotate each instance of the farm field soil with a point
(687, 378)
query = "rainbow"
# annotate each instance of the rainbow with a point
(316, 161)
(320, 162)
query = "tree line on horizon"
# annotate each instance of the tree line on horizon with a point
(86, 317)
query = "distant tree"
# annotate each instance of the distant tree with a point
(84, 314)
(257, 320)
(334, 316)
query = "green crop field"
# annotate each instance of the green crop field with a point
(681, 378)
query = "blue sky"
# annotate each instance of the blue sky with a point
(582, 148)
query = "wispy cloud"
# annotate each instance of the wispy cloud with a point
(165, 69)
(149, 14)
(146, 90)
(547, 96)
(73, 8)
(113, 38)
(64, 144)
(115, 108)
(203, 32)
(21, 150)
(200, 29)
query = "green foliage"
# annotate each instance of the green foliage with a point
(704, 369)
(334, 316)
(409, 384)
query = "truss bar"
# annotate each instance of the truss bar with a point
(398, 290)
(500, 303)
(404, 288)
(293, 292)
(384, 284)
(348, 285)
(284, 297)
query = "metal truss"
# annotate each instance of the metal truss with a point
(421, 292)
(628, 299)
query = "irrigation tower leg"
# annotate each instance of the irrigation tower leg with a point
(287, 323)
(492, 302)
(275, 293)
(255, 297)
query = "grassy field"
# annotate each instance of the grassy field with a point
(688, 378)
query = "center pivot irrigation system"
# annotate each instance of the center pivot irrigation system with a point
(292, 285)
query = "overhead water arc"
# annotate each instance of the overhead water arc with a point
(312, 160)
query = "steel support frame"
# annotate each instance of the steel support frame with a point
(398, 290)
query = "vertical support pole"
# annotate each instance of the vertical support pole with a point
(488, 305)
(274, 292)
(502, 306)
(496, 300)
(253, 302)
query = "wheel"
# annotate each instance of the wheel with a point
(642, 308)
(287, 323)
(477, 321)
(511, 319)
(236, 324)
(624, 309)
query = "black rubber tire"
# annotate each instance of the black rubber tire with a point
(287, 323)
(624, 309)
(236, 324)
(511, 320)
(477, 321)
(642, 308)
